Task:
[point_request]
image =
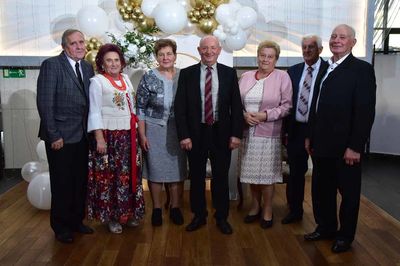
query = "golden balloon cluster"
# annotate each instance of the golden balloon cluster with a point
(202, 13)
(92, 47)
(130, 10)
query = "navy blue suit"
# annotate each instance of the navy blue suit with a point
(340, 118)
(297, 154)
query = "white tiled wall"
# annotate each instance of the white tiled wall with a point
(20, 119)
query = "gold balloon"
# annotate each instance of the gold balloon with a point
(208, 25)
(196, 14)
(140, 18)
(135, 2)
(197, 3)
(91, 57)
(211, 13)
(129, 10)
(207, 6)
(137, 11)
(146, 25)
(218, 2)
(203, 13)
(126, 17)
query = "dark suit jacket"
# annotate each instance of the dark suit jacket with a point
(345, 111)
(187, 105)
(62, 103)
(295, 73)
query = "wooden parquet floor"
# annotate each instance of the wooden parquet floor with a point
(26, 239)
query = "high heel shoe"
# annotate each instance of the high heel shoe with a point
(252, 218)
(156, 217)
(266, 224)
(176, 216)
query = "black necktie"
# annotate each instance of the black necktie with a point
(78, 73)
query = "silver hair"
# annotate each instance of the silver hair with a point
(312, 36)
(349, 28)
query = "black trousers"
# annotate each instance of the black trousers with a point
(68, 169)
(332, 175)
(298, 165)
(220, 157)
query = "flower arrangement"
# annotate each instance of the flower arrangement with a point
(137, 47)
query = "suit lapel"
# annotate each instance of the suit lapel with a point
(341, 67)
(71, 73)
(196, 85)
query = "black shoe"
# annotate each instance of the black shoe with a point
(84, 229)
(314, 236)
(266, 224)
(156, 217)
(176, 216)
(291, 218)
(65, 237)
(195, 224)
(224, 227)
(341, 245)
(251, 218)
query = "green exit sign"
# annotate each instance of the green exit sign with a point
(14, 73)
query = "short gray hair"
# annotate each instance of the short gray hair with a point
(67, 33)
(312, 36)
(350, 29)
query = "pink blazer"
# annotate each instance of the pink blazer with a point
(276, 100)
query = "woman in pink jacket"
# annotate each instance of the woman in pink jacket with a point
(266, 95)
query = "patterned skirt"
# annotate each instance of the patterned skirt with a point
(260, 160)
(110, 196)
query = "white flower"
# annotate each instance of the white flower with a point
(133, 49)
(142, 49)
(122, 42)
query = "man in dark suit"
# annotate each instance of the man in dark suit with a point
(340, 123)
(209, 119)
(303, 76)
(62, 101)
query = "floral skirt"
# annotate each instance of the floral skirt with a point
(110, 196)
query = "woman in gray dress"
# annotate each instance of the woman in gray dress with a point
(164, 161)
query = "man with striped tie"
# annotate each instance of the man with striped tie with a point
(209, 119)
(303, 76)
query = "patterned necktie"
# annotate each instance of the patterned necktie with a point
(302, 105)
(78, 73)
(208, 106)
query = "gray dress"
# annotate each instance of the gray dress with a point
(165, 161)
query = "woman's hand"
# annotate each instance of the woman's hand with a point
(144, 143)
(101, 147)
(251, 118)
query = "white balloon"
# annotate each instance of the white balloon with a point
(39, 193)
(246, 17)
(92, 21)
(170, 17)
(116, 22)
(148, 6)
(41, 151)
(189, 29)
(237, 41)
(31, 169)
(235, 7)
(223, 13)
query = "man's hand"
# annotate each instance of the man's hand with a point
(58, 144)
(186, 144)
(351, 157)
(307, 146)
(234, 143)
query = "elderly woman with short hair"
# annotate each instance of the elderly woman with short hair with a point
(266, 95)
(164, 161)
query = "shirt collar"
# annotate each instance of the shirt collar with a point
(338, 62)
(204, 67)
